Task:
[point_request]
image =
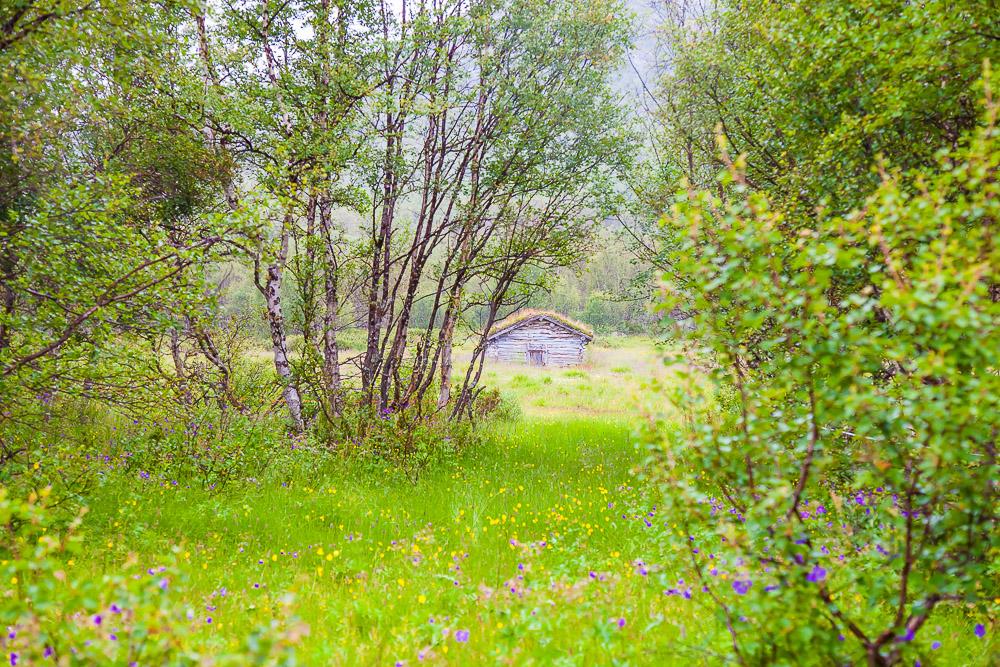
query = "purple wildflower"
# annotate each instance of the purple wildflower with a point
(462, 636)
(816, 575)
(742, 586)
(980, 630)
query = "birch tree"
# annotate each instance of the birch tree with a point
(496, 126)
(286, 77)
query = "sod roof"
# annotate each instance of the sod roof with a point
(527, 314)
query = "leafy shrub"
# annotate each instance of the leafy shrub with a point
(210, 448)
(408, 439)
(841, 471)
(493, 404)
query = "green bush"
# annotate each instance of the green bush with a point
(406, 439)
(840, 469)
(492, 404)
(208, 448)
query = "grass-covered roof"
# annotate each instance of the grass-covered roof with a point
(531, 313)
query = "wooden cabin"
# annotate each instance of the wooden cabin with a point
(538, 338)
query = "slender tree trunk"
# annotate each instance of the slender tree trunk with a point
(394, 360)
(468, 391)
(179, 370)
(320, 208)
(455, 298)
(7, 306)
(475, 371)
(272, 284)
(447, 334)
(331, 351)
(276, 323)
(379, 272)
(306, 270)
(211, 352)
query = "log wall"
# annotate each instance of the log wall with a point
(558, 345)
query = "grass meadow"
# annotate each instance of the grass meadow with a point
(540, 545)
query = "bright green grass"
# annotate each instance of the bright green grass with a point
(612, 383)
(371, 562)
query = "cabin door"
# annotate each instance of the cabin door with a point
(536, 358)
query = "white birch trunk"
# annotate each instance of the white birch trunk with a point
(276, 323)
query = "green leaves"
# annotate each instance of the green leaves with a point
(106, 190)
(813, 93)
(854, 370)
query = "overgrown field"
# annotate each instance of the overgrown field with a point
(542, 544)
(536, 547)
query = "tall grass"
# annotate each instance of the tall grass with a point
(531, 541)
(536, 544)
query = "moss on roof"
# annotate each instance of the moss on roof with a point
(530, 313)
